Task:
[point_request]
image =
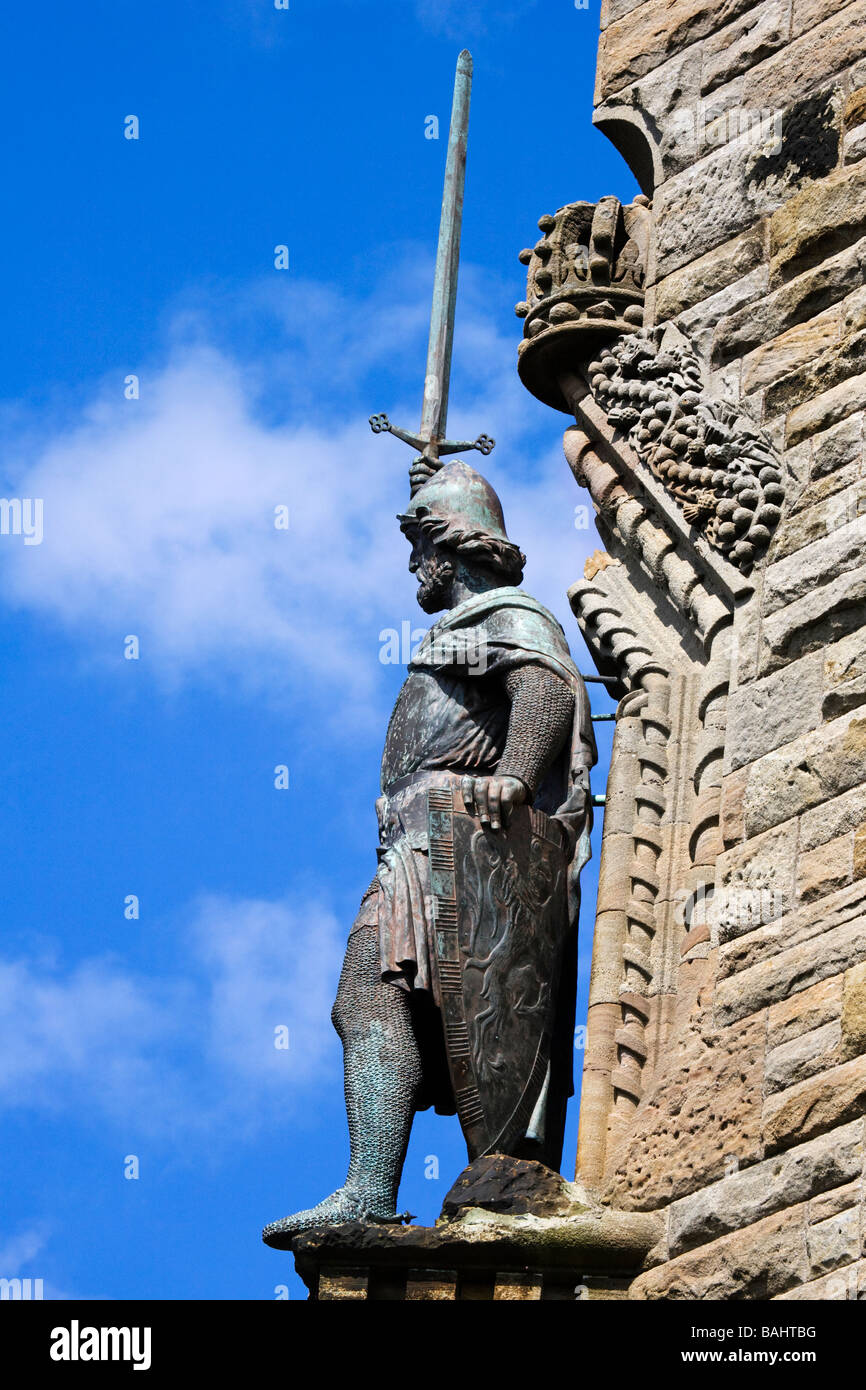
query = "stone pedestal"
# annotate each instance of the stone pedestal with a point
(501, 1248)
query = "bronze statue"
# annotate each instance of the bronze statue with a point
(458, 985)
(457, 989)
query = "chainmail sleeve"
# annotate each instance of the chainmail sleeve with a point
(542, 710)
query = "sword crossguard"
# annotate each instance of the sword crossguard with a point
(380, 424)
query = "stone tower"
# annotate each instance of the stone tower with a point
(722, 442)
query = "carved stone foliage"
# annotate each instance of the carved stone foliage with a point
(585, 286)
(719, 465)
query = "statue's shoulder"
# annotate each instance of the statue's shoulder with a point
(515, 609)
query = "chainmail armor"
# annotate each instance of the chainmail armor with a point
(542, 710)
(382, 1076)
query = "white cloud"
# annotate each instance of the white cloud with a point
(188, 1052)
(159, 513)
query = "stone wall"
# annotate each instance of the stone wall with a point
(743, 1120)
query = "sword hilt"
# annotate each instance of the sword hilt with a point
(380, 424)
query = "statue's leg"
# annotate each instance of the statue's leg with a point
(382, 1074)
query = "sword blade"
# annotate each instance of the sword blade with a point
(434, 413)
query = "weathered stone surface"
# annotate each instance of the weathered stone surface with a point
(860, 851)
(789, 579)
(839, 355)
(808, 62)
(700, 322)
(816, 1106)
(513, 1187)
(813, 768)
(854, 1011)
(647, 36)
(839, 911)
(821, 871)
(687, 205)
(807, 14)
(840, 446)
(600, 1240)
(762, 715)
(734, 261)
(829, 510)
(681, 1137)
(802, 1057)
(754, 986)
(854, 144)
(748, 1196)
(834, 1242)
(803, 1012)
(740, 46)
(838, 1199)
(794, 303)
(756, 1263)
(833, 818)
(755, 882)
(793, 349)
(843, 1284)
(826, 410)
(816, 222)
(823, 616)
(731, 808)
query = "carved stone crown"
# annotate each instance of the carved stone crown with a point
(585, 283)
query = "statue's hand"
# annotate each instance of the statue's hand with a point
(421, 471)
(492, 799)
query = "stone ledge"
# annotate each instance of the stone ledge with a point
(594, 1242)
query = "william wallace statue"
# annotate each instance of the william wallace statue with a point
(458, 985)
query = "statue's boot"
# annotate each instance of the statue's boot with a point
(382, 1070)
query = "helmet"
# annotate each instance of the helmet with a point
(456, 494)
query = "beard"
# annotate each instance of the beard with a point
(435, 577)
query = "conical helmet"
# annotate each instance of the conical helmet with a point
(458, 495)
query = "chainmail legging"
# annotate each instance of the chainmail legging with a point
(382, 1072)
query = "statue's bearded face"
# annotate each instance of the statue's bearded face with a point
(435, 571)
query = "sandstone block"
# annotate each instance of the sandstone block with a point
(826, 410)
(803, 1012)
(809, 770)
(821, 871)
(843, 1284)
(739, 1200)
(802, 1057)
(793, 349)
(734, 261)
(816, 221)
(809, 61)
(819, 618)
(854, 1011)
(838, 1199)
(764, 714)
(738, 47)
(768, 981)
(791, 578)
(681, 1137)
(834, 1242)
(644, 38)
(835, 1097)
(793, 303)
(833, 818)
(756, 1263)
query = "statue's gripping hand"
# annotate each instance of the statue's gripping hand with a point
(492, 799)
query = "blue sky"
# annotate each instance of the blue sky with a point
(155, 777)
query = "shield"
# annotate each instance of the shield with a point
(500, 927)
